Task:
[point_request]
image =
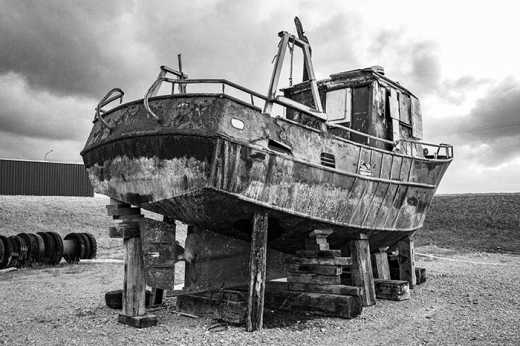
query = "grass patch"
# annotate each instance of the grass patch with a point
(483, 222)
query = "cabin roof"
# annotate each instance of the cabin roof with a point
(352, 78)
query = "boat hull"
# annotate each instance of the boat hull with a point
(203, 175)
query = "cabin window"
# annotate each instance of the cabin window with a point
(338, 105)
(417, 130)
(328, 160)
(360, 111)
(405, 109)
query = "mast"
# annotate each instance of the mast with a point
(301, 36)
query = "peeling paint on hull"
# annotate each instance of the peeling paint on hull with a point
(206, 174)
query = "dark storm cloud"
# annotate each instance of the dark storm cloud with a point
(66, 47)
(230, 39)
(496, 115)
(39, 114)
(417, 64)
(491, 130)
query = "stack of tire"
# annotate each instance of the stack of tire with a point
(47, 248)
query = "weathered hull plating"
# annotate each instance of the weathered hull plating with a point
(197, 168)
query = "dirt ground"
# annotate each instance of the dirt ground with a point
(469, 298)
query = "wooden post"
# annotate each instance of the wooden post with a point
(381, 266)
(257, 272)
(134, 309)
(407, 260)
(362, 269)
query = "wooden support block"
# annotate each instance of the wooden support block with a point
(118, 211)
(114, 232)
(320, 233)
(342, 290)
(322, 304)
(138, 321)
(392, 289)
(134, 308)
(308, 278)
(407, 260)
(315, 269)
(130, 229)
(380, 265)
(318, 253)
(339, 261)
(317, 240)
(156, 296)
(361, 269)
(215, 306)
(115, 202)
(420, 275)
(133, 284)
(257, 272)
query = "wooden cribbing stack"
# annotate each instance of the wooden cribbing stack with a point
(314, 281)
(232, 279)
(128, 224)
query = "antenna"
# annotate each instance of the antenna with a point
(182, 87)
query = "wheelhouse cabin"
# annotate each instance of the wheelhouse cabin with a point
(364, 100)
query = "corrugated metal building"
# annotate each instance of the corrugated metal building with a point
(43, 178)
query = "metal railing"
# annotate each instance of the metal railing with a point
(425, 149)
(409, 147)
(406, 146)
(223, 84)
(110, 96)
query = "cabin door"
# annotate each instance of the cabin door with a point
(360, 107)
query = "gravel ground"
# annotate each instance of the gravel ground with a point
(470, 298)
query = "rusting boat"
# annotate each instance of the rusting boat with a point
(333, 171)
(343, 153)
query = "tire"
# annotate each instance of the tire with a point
(23, 253)
(49, 247)
(41, 247)
(14, 259)
(31, 247)
(88, 248)
(73, 258)
(93, 245)
(58, 249)
(4, 252)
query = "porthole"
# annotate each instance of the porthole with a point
(237, 124)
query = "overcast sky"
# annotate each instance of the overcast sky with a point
(58, 58)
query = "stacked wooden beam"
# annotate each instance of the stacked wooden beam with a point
(226, 305)
(314, 282)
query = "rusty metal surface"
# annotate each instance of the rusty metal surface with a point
(215, 261)
(197, 154)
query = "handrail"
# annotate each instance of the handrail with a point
(224, 82)
(448, 148)
(361, 133)
(152, 91)
(108, 98)
(154, 88)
